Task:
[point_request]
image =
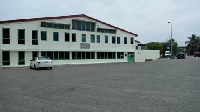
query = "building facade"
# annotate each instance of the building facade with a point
(74, 39)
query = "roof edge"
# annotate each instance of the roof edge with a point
(61, 17)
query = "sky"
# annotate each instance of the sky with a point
(147, 18)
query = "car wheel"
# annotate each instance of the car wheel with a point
(30, 67)
(50, 68)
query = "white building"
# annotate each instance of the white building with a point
(75, 39)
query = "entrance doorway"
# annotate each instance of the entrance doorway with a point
(130, 57)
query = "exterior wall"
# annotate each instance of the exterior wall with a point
(141, 55)
(62, 45)
(0, 58)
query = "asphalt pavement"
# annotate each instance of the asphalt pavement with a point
(169, 85)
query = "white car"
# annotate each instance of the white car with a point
(167, 54)
(41, 62)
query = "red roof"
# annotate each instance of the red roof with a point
(61, 17)
(137, 41)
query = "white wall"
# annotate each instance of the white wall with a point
(61, 45)
(141, 55)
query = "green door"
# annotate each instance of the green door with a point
(130, 57)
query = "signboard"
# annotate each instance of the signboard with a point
(84, 46)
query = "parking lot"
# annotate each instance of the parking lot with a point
(169, 85)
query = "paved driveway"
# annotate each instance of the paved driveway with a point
(162, 85)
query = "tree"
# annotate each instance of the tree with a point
(193, 43)
(154, 46)
(166, 46)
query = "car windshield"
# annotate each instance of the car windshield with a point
(180, 53)
(43, 58)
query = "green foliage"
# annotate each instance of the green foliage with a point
(154, 46)
(167, 45)
(193, 43)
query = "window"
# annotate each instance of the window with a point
(56, 55)
(6, 57)
(21, 36)
(98, 38)
(92, 55)
(61, 55)
(83, 37)
(66, 55)
(43, 35)
(73, 55)
(49, 25)
(83, 55)
(132, 40)
(113, 39)
(50, 55)
(87, 26)
(92, 27)
(6, 36)
(125, 40)
(84, 26)
(78, 25)
(21, 58)
(44, 54)
(120, 55)
(54, 25)
(67, 37)
(101, 30)
(106, 39)
(55, 36)
(73, 37)
(34, 37)
(92, 38)
(35, 54)
(105, 55)
(118, 40)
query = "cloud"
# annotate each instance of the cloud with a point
(146, 18)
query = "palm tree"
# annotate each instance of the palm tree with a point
(193, 43)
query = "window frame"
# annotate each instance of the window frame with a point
(73, 38)
(83, 37)
(120, 55)
(92, 38)
(54, 36)
(125, 40)
(132, 40)
(45, 38)
(22, 58)
(23, 36)
(6, 60)
(83, 26)
(36, 38)
(68, 38)
(3, 38)
(106, 39)
(98, 40)
(113, 41)
(118, 40)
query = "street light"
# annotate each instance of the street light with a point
(171, 36)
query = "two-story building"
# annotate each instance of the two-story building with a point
(74, 39)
